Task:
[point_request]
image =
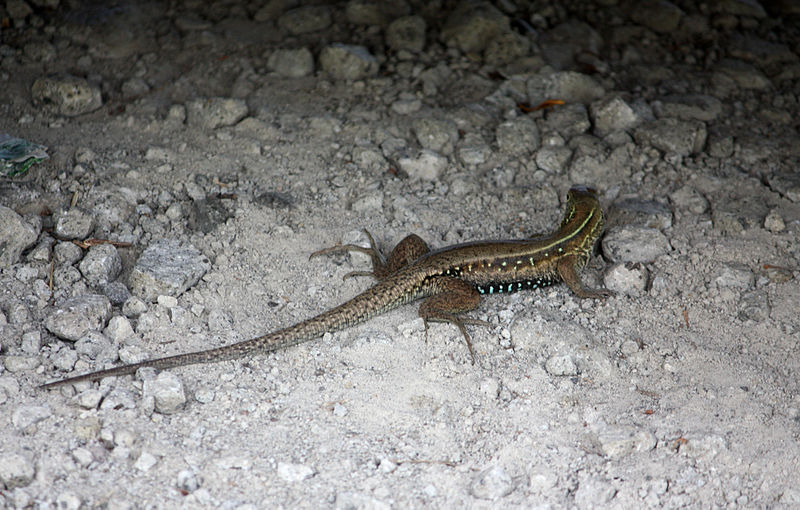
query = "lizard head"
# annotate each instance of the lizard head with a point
(583, 216)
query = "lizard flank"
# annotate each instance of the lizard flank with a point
(451, 281)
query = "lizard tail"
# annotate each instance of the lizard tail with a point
(374, 301)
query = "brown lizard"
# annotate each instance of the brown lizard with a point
(451, 280)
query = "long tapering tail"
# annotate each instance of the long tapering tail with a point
(378, 299)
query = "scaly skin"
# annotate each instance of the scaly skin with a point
(452, 279)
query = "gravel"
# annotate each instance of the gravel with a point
(199, 152)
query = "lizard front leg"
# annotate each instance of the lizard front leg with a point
(567, 269)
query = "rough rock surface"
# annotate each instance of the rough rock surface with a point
(259, 132)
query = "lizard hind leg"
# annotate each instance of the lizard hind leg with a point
(408, 250)
(454, 296)
(378, 260)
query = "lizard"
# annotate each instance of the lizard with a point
(451, 281)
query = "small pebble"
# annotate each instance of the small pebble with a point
(627, 278)
(76, 316)
(25, 417)
(215, 112)
(101, 264)
(66, 94)
(406, 33)
(293, 473)
(119, 329)
(167, 267)
(471, 25)
(16, 470)
(518, 136)
(73, 224)
(737, 276)
(66, 253)
(307, 19)
(492, 484)
(561, 365)
(188, 480)
(427, 166)
(618, 441)
(16, 235)
(774, 222)
(145, 462)
(348, 62)
(83, 456)
(167, 391)
(291, 63)
(90, 399)
(634, 244)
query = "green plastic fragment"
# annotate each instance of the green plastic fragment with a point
(18, 155)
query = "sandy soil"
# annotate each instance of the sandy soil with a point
(186, 122)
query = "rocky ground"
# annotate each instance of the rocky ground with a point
(199, 152)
